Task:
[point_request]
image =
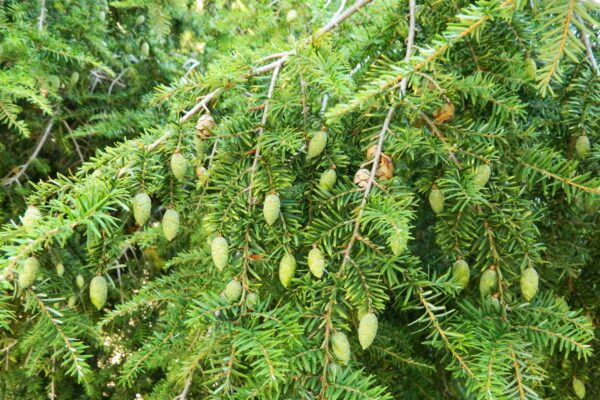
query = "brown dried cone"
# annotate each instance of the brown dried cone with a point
(445, 113)
(202, 174)
(385, 170)
(371, 152)
(361, 178)
(204, 126)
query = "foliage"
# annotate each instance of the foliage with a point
(73, 78)
(465, 95)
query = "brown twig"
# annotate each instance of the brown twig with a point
(36, 151)
(586, 43)
(261, 129)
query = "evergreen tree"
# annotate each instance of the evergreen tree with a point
(368, 201)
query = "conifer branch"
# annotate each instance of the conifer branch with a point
(588, 46)
(356, 230)
(338, 18)
(518, 374)
(34, 154)
(434, 321)
(385, 84)
(560, 178)
(79, 365)
(261, 129)
(42, 17)
(560, 48)
(281, 57)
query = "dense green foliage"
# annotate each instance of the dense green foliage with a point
(74, 77)
(454, 129)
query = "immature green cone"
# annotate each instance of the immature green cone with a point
(340, 347)
(482, 175)
(529, 283)
(591, 204)
(531, 68)
(271, 208)
(251, 300)
(80, 281)
(54, 82)
(145, 49)
(233, 290)
(26, 279)
(367, 329)
(32, 264)
(561, 304)
(74, 78)
(488, 282)
(178, 166)
(316, 262)
(31, 268)
(98, 291)
(142, 206)
(327, 180)
(60, 269)
(436, 200)
(71, 301)
(291, 15)
(287, 269)
(582, 146)
(398, 240)
(461, 273)
(170, 224)
(31, 217)
(578, 388)
(219, 251)
(317, 144)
